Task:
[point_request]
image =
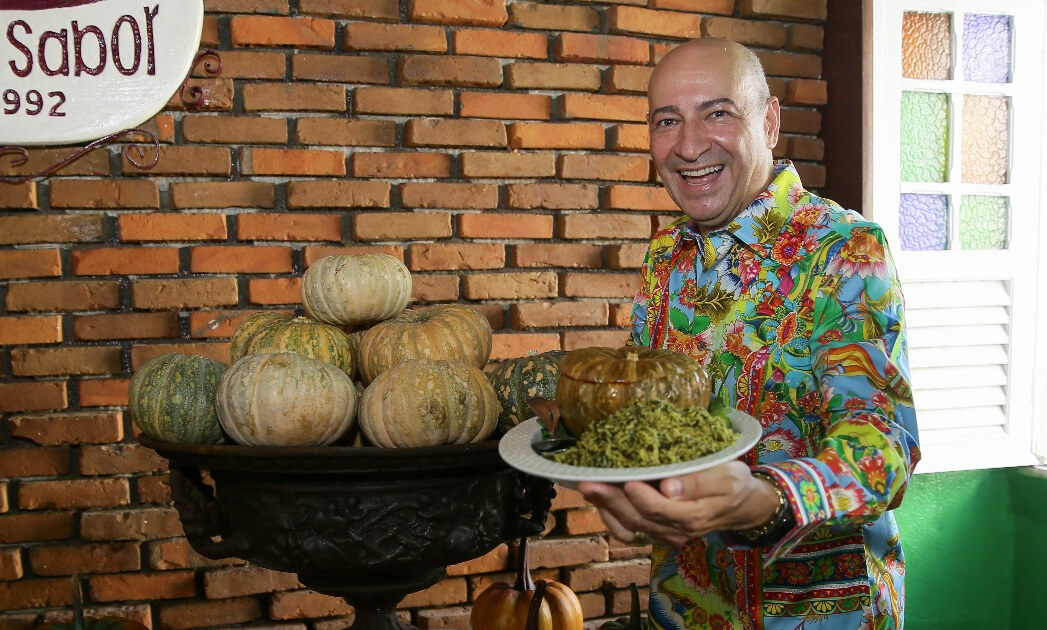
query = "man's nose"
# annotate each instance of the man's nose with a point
(692, 141)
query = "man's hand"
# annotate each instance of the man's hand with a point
(723, 498)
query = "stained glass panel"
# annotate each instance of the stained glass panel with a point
(983, 222)
(986, 139)
(924, 131)
(987, 48)
(927, 45)
(924, 222)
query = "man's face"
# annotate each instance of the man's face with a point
(711, 135)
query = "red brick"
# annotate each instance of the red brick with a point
(337, 194)
(289, 227)
(206, 94)
(76, 493)
(498, 165)
(505, 106)
(500, 43)
(30, 263)
(92, 164)
(510, 285)
(813, 173)
(556, 136)
(268, 291)
(388, 37)
(441, 618)
(142, 353)
(36, 527)
(456, 256)
(164, 555)
(147, 587)
(131, 261)
(394, 165)
(105, 193)
(458, 12)
(222, 195)
(448, 195)
(235, 129)
(804, 148)
(301, 604)
(538, 15)
(62, 228)
(724, 7)
(34, 396)
(791, 9)
(180, 293)
(249, 259)
(554, 314)
(567, 551)
(66, 361)
(628, 79)
(622, 551)
(252, 64)
(627, 137)
(154, 489)
(338, 68)
(801, 120)
(429, 288)
(35, 593)
(377, 9)
(26, 330)
(552, 196)
(34, 462)
(573, 340)
(318, 162)
(616, 574)
(658, 23)
(603, 226)
(784, 64)
(220, 324)
(404, 101)
(513, 345)
(103, 392)
(400, 226)
(748, 32)
(551, 76)
(342, 132)
(11, 564)
(119, 459)
(69, 428)
(626, 197)
(806, 92)
(19, 197)
(444, 593)
(251, 580)
(126, 326)
(63, 296)
(605, 167)
(556, 255)
(290, 32)
(294, 97)
(314, 253)
(454, 133)
(621, 315)
(586, 48)
(137, 524)
(85, 558)
(187, 160)
(449, 71)
(172, 227)
(509, 226)
(628, 256)
(582, 521)
(496, 559)
(805, 36)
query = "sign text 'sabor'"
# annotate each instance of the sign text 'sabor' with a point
(77, 70)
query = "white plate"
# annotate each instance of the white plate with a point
(515, 449)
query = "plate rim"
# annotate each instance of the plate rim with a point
(515, 449)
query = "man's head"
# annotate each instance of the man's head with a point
(713, 124)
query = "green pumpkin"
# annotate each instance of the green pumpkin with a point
(172, 398)
(248, 329)
(634, 621)
(516, 381)
(306, 337)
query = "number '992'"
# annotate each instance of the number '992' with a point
(33, 103)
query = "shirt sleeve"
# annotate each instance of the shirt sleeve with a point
(641, 335)
(858, 348)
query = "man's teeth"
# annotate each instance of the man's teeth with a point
(701, 172)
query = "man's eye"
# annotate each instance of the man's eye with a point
(665, 122)
(719, 114)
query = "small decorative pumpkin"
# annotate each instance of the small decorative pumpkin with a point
(504, 606)
(353, 289)
(79, 622)
(441, 331)
(307, 337)
(172, 398)
(596, 382)
(428, 403)
(517, 381)
(248, 329)
(285, 399)
(634, 621)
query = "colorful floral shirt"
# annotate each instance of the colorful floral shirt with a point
(796, 311)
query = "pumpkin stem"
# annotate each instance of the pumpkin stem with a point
(634, 611)
(523, 572)
(78, 608)
(535, 609)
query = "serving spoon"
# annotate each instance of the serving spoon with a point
(548, 413)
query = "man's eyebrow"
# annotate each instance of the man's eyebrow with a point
(716, 102)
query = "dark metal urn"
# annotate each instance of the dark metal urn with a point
(369, 525)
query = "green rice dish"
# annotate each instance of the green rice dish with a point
(649, 433)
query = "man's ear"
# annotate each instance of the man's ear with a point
(772, 122)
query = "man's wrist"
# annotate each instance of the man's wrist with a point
(781, 520)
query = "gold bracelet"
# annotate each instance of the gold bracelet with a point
(781, 513)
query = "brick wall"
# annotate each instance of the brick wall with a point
(497, 146)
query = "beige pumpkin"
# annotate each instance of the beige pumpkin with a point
(441, 331)
(348, 289)
(307, 337)
(428, 403)
(285, 399)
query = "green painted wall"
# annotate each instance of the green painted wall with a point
(975, 549)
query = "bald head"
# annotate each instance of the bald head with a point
(734, 58)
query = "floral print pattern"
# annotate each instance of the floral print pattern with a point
(796, 311)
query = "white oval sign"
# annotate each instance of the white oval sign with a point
(77, 70)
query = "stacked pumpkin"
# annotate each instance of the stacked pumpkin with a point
(358, 358)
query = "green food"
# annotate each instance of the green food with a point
(649, 433)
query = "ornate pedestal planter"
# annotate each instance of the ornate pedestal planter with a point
(369, 525)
